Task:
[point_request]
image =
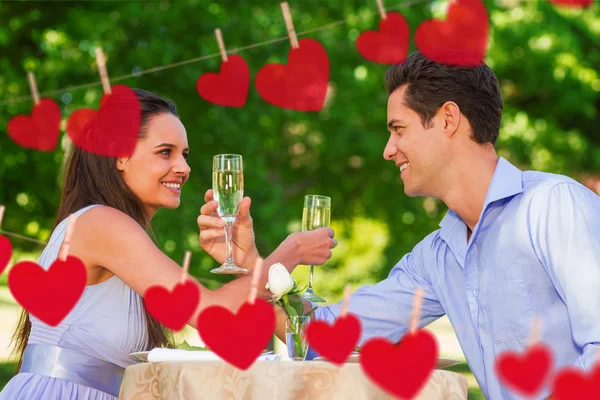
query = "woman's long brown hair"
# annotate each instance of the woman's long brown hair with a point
(93, 179)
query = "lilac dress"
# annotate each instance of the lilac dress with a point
(85, 355)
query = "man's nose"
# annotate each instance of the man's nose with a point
(390, 149)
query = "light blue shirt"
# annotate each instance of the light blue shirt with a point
(535, 252)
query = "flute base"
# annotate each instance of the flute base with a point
(310, 295)
(229, 268)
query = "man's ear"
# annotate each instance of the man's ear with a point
(450, 114)
(122, 164)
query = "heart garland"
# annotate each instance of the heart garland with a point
(48, 295)
(230, 86)
(5, 253)
(112, 131)
(337, 341)
(173, 308)
(525, 373)
(459, 40)
(388, 45)
(573, 3)
(238, 338)
(302, 83)
(385, 363)
(41, 130)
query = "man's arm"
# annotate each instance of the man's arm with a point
(384, 308)
(566, 237)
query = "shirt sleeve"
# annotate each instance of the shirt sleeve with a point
(566, 237)
(384, 309)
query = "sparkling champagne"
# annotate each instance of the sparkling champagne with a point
(228, 188)
(315, 217)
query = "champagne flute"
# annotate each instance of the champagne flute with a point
(228, 189)
(316, 214)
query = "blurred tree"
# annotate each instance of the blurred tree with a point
(546, 59)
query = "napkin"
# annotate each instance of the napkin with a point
(160, 354)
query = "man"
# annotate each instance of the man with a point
(514, 246)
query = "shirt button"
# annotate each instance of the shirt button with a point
(474, 293)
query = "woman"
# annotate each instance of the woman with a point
(115, 199)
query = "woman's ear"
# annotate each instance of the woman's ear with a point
(122, 164)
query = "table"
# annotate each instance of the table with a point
(266, 380)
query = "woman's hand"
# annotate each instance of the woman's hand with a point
(313, 247)
(212, 233)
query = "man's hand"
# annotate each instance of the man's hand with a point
(212, 233)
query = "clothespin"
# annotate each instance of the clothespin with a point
(536, 332)
(255, 278)
(33, 87)
(287, 16)
(1, 216)
(101, 61)
(381, 9)
(416, 311)
(221, 44)
(64, 248)
(346, 301)
(186, 266)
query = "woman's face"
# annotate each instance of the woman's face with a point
(157, 169)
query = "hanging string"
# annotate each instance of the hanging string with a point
(136, 74)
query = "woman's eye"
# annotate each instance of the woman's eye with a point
(186, 155)
(166, 152)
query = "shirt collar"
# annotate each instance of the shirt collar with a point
(506, 182)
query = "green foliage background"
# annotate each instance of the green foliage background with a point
(546, 58)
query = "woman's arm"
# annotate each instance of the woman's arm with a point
(105, 237)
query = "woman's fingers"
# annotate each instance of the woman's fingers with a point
(211, 234)
(207, 222)
(209, 208)
(208, 196)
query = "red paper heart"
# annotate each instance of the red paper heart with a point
(573, 3)
(388, 45)
(230, 86)
(335, 342)
(111, 131)
(459, 40)
(299, 85)
(48, 295)
(400, 369)
(173, 308)
(526, 373)
(573, 384)
(40, 131)
(5, 252)
(238, 338)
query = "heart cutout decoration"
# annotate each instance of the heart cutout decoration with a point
(48, 295)
(302, 83)
(574, 384)
(172, 308)
(337, 341)
(526, 373)
(40, 131)
(403, 368)
(238, 338)
(112, 131)
(388, 45)
(230, 86)
(572, 3)
(5, 252)
(461, 39)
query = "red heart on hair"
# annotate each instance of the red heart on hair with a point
(111, 131)
(389, 45)
(238, 338)
(5, 252)
(173, 308)
(459, 40)
(526, 373)
(48, 295)
(573, 3)
(230, 86)
(335, 342)
(573, 384)
(401, 369)
(40, 131)
(299, 85)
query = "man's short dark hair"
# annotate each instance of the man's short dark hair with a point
(430, 84)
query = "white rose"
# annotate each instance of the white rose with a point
(280, 281)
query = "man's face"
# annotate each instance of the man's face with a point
(418, 152)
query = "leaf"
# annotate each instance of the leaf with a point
(296, 302)
(311, 311)
(290, 311)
